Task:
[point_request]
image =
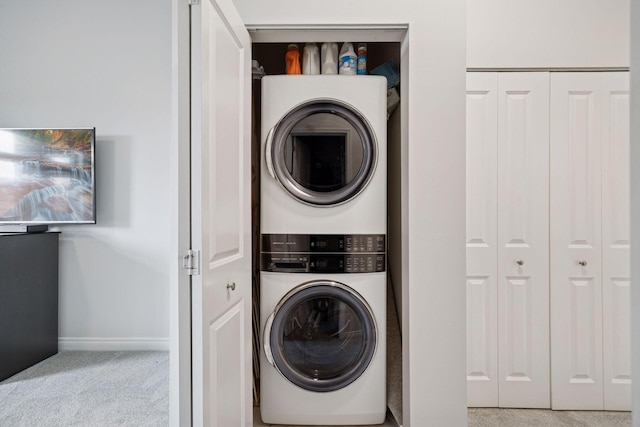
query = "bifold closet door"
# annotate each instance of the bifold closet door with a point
(616, 346)
(507, 239)
(523, 240)
(590, 340)
(481, 240)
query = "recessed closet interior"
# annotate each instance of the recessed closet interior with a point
(269, 50)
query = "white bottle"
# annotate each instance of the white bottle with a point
(329, 54)
(310, 59)
(348, 57)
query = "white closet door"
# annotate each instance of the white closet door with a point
(523, 240)
(482, 323)
(615, 242)
(576, 269)
(221, 215)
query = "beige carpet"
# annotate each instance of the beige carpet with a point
(80, 388)
(495, 417)
(132, 389)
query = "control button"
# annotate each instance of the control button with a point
(369, 263)
(369, 243)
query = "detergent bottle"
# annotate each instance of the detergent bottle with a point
(362, 58)
(329, 54)
(292, 58)
(347, 64)
(310, 59)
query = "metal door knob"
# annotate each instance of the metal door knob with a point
(231, 286)
(583, 263)
(520, 262)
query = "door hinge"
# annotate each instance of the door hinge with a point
(191, 262)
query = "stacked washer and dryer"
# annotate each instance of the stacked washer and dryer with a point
(323, 225)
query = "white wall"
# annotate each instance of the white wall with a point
(433, 97)
(105, 64)
(547, 33)
(635, 211)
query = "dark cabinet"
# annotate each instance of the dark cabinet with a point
(28, 300)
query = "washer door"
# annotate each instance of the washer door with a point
(321, 336)
(323, 152)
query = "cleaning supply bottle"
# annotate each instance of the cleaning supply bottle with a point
(310, 59)
(329, 54)
(292, 58)
(362, 58)
(347, 63)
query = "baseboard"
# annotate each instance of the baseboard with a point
(113, 344)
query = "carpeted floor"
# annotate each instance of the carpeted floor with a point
(132, 389)
(494, 417)
(89, 389)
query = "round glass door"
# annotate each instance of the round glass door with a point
(323, 152)
(323, 336)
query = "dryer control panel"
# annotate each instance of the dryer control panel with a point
(323, 253)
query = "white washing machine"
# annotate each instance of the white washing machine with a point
(323, 324)
(324, 154)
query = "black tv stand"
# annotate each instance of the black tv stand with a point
(28, 300)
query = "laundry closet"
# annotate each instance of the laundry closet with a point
(425, 188)
(268, 53)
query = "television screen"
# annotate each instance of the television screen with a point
(47, 176)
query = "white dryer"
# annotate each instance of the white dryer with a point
(324, 154)
(323, 323)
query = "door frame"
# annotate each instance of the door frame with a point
(180, 399)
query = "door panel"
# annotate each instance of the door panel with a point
(227, 393)
(576, 268)
(615, 242)
(481, 354)
(225, 150)
(221, 212)
(482, 327)
(523, 230)
(583, 300)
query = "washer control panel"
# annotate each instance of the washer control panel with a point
(316, 253)
(360, 243)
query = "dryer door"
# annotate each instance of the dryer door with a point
(322, 336)
(323, 152)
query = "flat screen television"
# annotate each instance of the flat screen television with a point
(47, 176)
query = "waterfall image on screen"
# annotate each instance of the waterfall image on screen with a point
(47, 176)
